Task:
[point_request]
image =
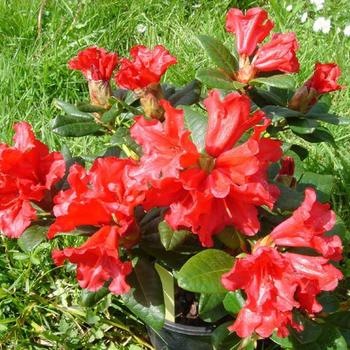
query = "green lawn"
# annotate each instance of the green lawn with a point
(33, 71)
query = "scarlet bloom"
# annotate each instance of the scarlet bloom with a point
(325, 78)
(278, 54)
(146, 67)
(167, 147)
(220, 186)
(269, 283)
(287, 166)
(104, 196)
(98, 261)
(250, 29)
(28, 172)
(95, 63)
(307, 227)
(275, 283)
(315, 275)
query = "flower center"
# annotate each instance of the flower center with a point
(206, 162)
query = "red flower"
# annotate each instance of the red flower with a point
(27, 172)
(219, 188)
(167, 147)
(306, 228)
(325, 78)
(98, 262)
(278, 54)
(146, 67)
(228, 120)
(250, 29)
(107, 195)
(269, 283)
(276, 283)
(95, 63)
(315, 275)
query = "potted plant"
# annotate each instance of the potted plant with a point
(195, 212)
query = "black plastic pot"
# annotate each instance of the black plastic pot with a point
(175, 336)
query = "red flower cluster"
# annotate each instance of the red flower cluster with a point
(146, 67)
(223, 185)
(250, 30)
(105, 197)
(27, 173)
(95, 63)
(275, 282)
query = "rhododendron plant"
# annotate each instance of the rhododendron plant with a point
(194, 188)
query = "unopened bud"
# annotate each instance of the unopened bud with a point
(150, 98)
(100, 91)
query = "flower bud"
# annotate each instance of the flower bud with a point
(100, 91)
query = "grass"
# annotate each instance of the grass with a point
(38, 304)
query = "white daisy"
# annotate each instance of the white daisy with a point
(303, 17)
(319, 4)
(347, 30)
(289, 8)
(141, 28)
(322, 25)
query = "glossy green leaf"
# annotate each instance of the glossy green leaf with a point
(230, 237)
(186, 95)
(202, 273)
(208, 302)
(289, 199)
(145, 299)
(89, 299)
(197, 123)
(301, 151)
(319, 135)
(111, 114)
(275, 112)
(264, 98)
(219, 53)
(214, 78)
(223, 339)
(322, 182)
(285, 343)
(328, 118)
(72, 126)
(234, 302)
(71, 110)
(340, 319)
(302, 126)
(283, 81)
(89, 108)
(310, 333)
(32, 237)
(171, 239)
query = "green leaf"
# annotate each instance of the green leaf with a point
(289, 199)
(208, 302)
(319, 135)
(276, 112)
(219, 54)
(328, 118)
(214, 78)
(329, 302)
(32, 237)
(265, 98)
(122, 137)
(186, 95)
(302, 126)
(145, 299)
(92, 298)
(171, 239)
(111, 114)
(68, 126)
(71, 110)
(202, 273)
(197, 124)
(234, 302)
(230, 237)
(285, 343)
(301, 151)
(322, 182)
(283, 81)
(340, 319)
(310, 333)
(223, 339)
(87, 107)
